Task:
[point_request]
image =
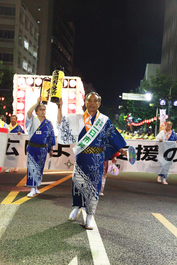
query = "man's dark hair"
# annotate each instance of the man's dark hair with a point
(39, 105)
(15, 116)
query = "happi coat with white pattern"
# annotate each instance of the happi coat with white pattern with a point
(41, 134)
(163, 136)
(88, 169)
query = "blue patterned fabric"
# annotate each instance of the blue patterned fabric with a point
(88, 169)
(36, 157)
(17, 129)
(173, 137)
(66, 135)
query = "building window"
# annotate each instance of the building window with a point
(35, 34)
(7, 11)
(31, 29)
(26, 44)
(30, 48)
(7, 34)
(34, 52)
(20, 38)
(29, 68)
(26, 23)
(6, 57)
(33, 69)
(19, 60)
(21, 17)
(25, 65)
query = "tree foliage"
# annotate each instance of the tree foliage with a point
(6, 89)
(160, 86)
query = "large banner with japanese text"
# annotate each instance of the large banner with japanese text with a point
(151, 156)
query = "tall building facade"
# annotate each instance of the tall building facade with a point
(56, 37)
(169, 46)
(62, 44)
(42, 11)
(18, 37)
(151, 69)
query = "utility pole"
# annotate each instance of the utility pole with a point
(156, 122)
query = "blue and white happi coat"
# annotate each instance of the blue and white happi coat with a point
(162, 135)
(173, 136)
(16, 129)
(88, 169)
(39, 133)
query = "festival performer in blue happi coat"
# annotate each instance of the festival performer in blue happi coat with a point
(14, 128)
(41, 142)
(95, 136)
(166, 135)
(2, 122)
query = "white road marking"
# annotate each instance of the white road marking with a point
(57, 172)
(96, 244)
(73, 261)
(47, 182)
(7, 213)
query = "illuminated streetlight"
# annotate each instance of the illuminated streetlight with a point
(148, 96)
(162, 102)
(175, 103)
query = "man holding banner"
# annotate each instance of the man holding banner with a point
(41, 142)
(95, 136)
(14, 128)
(2, 122)
(166, 135)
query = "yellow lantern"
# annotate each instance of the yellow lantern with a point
(45, 91)
(56, 86)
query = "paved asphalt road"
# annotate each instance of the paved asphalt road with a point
(135, 222)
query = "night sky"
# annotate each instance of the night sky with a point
(114, 39)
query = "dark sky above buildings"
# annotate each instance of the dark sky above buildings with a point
(114, 39)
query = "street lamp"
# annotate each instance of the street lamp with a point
(175, 103)
(162, 102)
(148, 96)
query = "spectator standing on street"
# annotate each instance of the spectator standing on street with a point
(14, 128)
(3, 125)
(41, 142)
(2, 122)
(166, 135)
(95, 136)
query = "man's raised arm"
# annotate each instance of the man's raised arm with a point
(59, 116)
(30, 111)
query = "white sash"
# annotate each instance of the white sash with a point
(93, 132)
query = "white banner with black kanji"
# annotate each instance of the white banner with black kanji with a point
(151, 156)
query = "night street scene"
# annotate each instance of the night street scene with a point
(88, 132)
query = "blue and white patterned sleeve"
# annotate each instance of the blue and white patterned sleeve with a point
(28, 122)
(65, 135)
